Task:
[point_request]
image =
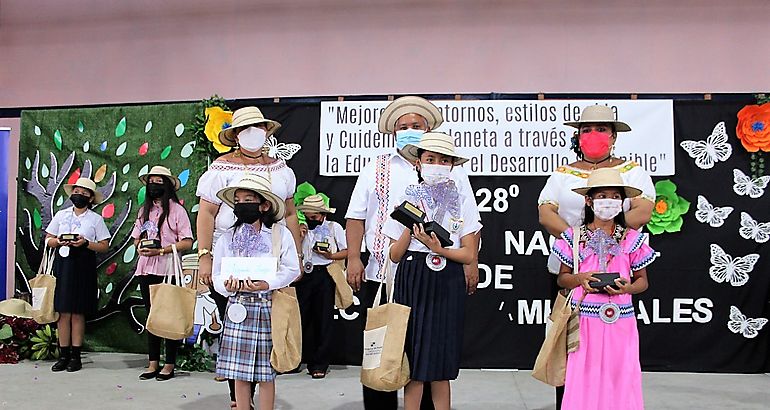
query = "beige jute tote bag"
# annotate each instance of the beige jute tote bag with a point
(285, 322)
(384, 366)
(43, 286)
(172, 305)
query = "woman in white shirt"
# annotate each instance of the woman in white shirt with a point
(246, 345)
(560, 208)
(75, 267)
(430, 276)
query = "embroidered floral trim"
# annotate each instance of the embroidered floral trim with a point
(566, 169)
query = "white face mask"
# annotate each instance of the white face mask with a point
(434, 174)
(252, 139)
(607, 209)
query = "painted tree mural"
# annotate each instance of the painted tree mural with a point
(114, 146)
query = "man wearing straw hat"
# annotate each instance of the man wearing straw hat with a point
(374, 197)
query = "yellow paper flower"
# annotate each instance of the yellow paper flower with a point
(217, 119)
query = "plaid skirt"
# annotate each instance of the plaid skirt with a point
(244, 350)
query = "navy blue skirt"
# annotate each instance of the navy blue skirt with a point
(434, 336)
(76, 287)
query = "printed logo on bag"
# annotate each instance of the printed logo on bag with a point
(374, 340)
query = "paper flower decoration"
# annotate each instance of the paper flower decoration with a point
(669, 208)
(217, 119)
(754, 127)
(304, 190)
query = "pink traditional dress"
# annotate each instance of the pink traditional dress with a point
(604, 372)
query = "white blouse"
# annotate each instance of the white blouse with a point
(288, 264)
(328, 231)
(558, 191)
(89, 225)
(364, 202)
(457, 213)
(222, 174)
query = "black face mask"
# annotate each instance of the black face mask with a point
(80, 201)
(155, 191)
(247, 212)
(312, 224)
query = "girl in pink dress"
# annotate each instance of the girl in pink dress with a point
(604, 372)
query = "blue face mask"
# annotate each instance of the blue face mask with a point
(408, 136)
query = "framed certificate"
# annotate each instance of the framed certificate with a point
(256, 268)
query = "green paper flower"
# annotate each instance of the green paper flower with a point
(669, 208)
(304, 190)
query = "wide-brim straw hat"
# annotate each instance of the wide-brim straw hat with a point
(409, 105)
(16, 308)
(607, 178)
(243, 117)
(164, 172)
(594, 114)
(87, 184)
(315, 203)
(258, 184)
(434, 142)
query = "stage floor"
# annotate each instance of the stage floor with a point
(111, 381)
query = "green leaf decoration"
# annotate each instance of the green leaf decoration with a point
(81, 127)
(121, 149)
(57, 139)
(147, 127)
(179, 129)
(44, 172)
(124, 187)
(37, 219)
(86, 146)
(37, 131)
(28, 163)
(108, 288)
(140, 196)
(6, 332)
(145, 169)
(126, 168)
(120, 129)
(166, 152)
(187, 149)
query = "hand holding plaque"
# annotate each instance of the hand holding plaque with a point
(409, 215)
(149, 244)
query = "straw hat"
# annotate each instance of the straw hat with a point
(409, 105)
(607, 178)
(316, 203)
(87, 184)
(434, 142)
(242, 117)
(599, 114)
(16, 308)
(164, 172)
(258, 184)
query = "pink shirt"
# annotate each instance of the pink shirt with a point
(175, 228)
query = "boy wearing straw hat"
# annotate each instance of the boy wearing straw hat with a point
(323, 244)
(374, 197)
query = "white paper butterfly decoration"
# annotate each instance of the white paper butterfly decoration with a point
(744, 185)
(740, 324)
(281, 150)
(713, 215)
(725, 268)
(751, 229)
(714, 149)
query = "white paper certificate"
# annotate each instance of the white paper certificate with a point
(254, 268)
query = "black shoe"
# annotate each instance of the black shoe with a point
(75, 364)
(149, 375)
(163, 377)
(61, 364)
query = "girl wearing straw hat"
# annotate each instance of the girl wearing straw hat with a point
(248, 133)
(430, 277)
(315, 291)
(594, 141)
(162, 223)
(244, 354)
(75, 267)
(604, 372)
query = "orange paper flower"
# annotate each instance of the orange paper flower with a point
(217, 119)
(754, 127)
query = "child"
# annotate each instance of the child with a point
(76, 293)
(244, 354)
(604, 372)
(162, 222)
(315, 291)
(430, 277)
